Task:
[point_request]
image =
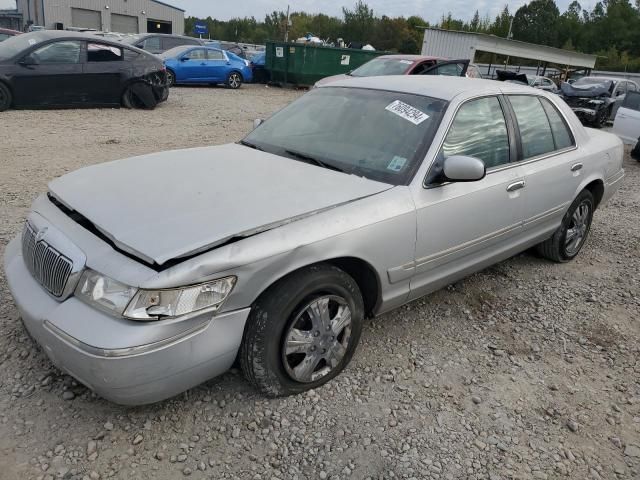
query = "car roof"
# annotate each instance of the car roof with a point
(44, 35)
(435, 86)
(413, 58)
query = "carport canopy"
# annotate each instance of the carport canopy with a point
(457, 44)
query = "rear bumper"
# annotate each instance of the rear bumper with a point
(131, 374)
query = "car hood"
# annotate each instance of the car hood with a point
(175, 204)
(331, 79)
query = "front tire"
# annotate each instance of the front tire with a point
(302, 331)
(5, 97)
(569, 238)
(171, 78)
(234, 80)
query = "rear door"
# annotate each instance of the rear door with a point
(104, 70)
(51, 75)
(218, 65)
(550, 162)
(627, 122)
(451, 68)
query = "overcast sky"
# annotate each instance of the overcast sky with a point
(432, 10)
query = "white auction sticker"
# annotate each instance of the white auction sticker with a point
(407, 112)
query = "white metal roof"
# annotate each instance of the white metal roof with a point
(456, 44)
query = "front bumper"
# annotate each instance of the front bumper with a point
(126, 371)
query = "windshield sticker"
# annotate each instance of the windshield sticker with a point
(396, 163)
(407, 112)
(32, 41)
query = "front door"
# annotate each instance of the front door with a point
(50, 75)
(194, 66)
(464, 226)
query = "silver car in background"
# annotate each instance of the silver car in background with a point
(147, 276)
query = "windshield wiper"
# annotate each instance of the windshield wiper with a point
(307, 158)
(251, 145)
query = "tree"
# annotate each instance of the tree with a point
(359, 22)
(537, 22)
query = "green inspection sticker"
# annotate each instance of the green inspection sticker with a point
(396, 163)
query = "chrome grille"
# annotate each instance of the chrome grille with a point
(47, 265)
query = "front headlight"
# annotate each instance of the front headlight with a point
(104, 292)
(247, 63)
(167, 303)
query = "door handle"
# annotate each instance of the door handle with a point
(576, 166)
(516, 186)
(203, 64)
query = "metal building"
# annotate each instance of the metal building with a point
(124, 16)
(464, 45)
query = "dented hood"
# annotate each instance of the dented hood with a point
(174, 204)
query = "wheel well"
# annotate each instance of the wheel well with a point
(6, 84)
(366, 278)
(597, 190)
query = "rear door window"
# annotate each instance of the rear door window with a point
(215, 55)
(99, 52)
(562, 135)
(535, 130)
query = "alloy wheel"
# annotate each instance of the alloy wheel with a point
(317, 338)
(578, 228)
(170, 78)
(234, 80)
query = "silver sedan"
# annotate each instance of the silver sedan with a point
(147, 276)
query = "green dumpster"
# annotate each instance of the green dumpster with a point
(301, 64)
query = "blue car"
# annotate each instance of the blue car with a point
(190, 64)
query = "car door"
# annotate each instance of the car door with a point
(618, 96)
(550, 162)
(627, 122)
(451, 68)
(463, 226)
(218, 65)
(50, 74)
(193, 66)
(104, 70)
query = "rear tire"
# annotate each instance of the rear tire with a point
(570, 237)
(135, 95)
(234, 80)
(5, 97)
(287, 348)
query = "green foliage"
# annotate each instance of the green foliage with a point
(611, 29)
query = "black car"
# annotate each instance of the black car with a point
(160, 42)
(67, 69)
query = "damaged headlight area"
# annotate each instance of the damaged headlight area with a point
(149, 305)
(104, 292)
(114, 297)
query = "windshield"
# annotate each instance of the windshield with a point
(10, 47)
(383, 66)
(174, 52)
(371, 133)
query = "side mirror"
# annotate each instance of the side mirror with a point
(257, 122)
(460, 168)
(28, 60)
(184, 59)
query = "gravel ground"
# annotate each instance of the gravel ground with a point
(527, 370)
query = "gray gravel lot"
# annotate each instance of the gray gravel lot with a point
(527, 370)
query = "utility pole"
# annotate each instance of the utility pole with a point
(509, 35)
(286, 27)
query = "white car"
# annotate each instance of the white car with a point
(627, 122)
